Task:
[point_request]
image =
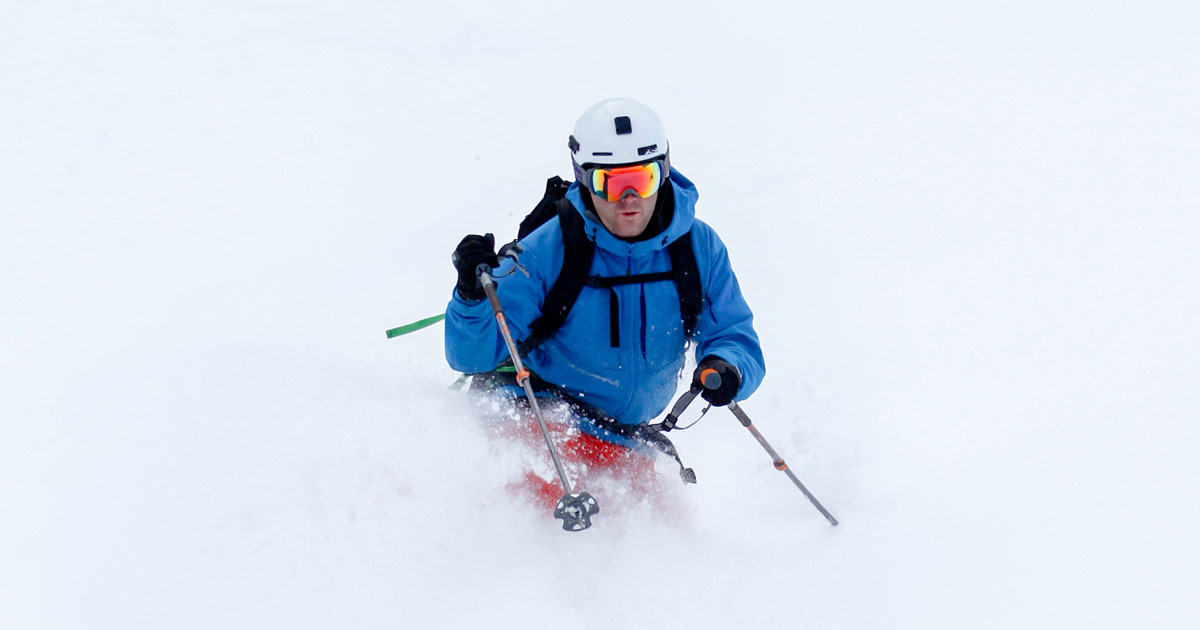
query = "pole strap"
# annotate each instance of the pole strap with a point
(415, 326)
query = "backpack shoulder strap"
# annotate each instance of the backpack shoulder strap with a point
(687, 281)
(577, 262)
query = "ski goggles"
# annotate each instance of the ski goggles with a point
(614, 182)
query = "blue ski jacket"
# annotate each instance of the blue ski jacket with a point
(634, 382)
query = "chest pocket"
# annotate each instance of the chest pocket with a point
(610, 285)
(662, 337)
(585, 332)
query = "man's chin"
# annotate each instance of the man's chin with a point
(630, 231)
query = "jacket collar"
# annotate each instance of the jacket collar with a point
(685, 212)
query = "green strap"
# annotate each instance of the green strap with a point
(424, 323)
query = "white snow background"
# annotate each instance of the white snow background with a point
(969, 232)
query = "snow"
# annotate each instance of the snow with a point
(968, 233)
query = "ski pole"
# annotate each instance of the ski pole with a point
(712, 380)
(574, 510)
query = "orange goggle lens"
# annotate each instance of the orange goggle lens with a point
(614, 183)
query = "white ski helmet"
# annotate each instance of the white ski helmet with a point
(617, 131)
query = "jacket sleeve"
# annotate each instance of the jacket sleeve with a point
(473, 340)
(726, 325)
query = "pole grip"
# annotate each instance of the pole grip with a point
(710, 378)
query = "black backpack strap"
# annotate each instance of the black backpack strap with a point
(578, 250)
(684, 271)
(614, 304)
(687, 282)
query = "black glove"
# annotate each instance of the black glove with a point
(472, 251)
(730, 381)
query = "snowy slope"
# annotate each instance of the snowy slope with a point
(968, 233)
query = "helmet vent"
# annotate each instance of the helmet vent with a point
(623, 125)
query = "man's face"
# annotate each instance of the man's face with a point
(627, 217)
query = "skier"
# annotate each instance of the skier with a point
(658, 281)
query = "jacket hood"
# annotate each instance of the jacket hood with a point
(685, 213)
